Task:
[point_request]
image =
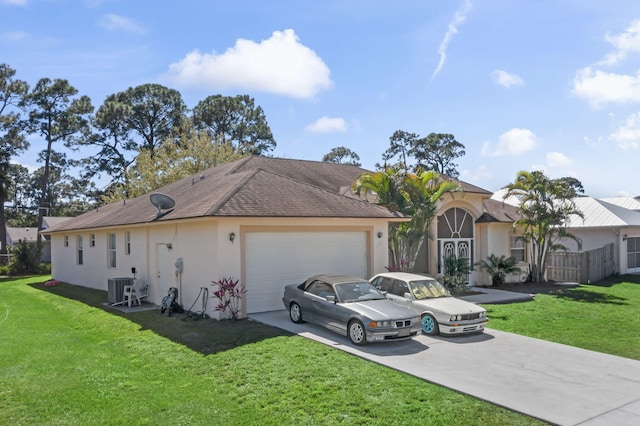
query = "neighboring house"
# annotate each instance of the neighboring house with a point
(606, 221)
(30, 235)
(47, 222)
(267, 221)
(14, 235)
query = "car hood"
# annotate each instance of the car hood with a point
(449, 305)
(379, 310)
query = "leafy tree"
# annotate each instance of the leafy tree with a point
(342, 155)
(12, 140)
(112, 135)
(235, 120)
(18, 185)
(173, 160)
(437, 152)
(66, 195)
(414, 195)
(400, 145)
(156, 113)
(545, 205)
(57, 117)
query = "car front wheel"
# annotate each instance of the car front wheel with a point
(295, 313)
(357, 334)
(430, 325)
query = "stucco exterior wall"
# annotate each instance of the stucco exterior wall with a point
(204, 246)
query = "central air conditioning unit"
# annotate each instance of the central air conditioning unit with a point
(115, 289)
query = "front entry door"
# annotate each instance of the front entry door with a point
(460, 248)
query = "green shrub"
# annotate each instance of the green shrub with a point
(499, 267)
(25, 259)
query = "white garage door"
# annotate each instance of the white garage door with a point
(275, 259)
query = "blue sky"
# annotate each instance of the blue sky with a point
(549, 85)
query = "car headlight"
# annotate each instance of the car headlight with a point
(380, 324)
(455, 318)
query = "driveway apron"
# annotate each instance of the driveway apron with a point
(556, 383)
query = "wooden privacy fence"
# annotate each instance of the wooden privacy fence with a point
(587, 266)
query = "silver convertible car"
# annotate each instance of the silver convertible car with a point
(440, 312)
(350, 306)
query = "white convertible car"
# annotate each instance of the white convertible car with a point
(440, 312)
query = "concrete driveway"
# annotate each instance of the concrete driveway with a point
(556, 383)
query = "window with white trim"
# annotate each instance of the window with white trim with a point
(79, 254)
(518, 248)
(127, 243)
(111, 250)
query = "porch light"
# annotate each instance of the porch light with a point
(232, 236)
(380, 234)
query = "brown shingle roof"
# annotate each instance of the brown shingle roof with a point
(252, 187)
(497, 211)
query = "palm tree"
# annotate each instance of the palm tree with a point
(499, 267)
(545, 206)
(413, 195)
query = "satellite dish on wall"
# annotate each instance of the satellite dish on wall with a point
(162, 202)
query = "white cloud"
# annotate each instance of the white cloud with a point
(279, 64)
(15, 2)
(627, 136)
(479, 174)
(625, 43)
(328, 125)
(506, 79)
(599, 87)
(113, 22)
(15, 36)
(513, 142)
(458, 19)
(557, 159)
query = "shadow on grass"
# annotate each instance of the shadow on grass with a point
(579, 295)
(578, 292)
(206, 336)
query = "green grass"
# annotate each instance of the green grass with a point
(66, 361)
(603, 317)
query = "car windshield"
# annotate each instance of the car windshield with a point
(357, 292)
(428, 289)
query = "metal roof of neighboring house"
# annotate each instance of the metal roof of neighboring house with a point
(251, 187)
(600, 214)
(597, 213)
(630, 203)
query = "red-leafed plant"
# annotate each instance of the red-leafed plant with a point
(229, 294)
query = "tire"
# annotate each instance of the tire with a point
(295, 313)
(357, 333)
(430, 325)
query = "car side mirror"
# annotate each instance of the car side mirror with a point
(407, 295)
(331, 299)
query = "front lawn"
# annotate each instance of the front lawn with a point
(66, 362)
(603, 317)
